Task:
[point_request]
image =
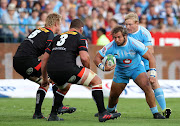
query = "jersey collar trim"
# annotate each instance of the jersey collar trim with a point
(48, 28)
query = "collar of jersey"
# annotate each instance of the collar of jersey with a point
(48, 28)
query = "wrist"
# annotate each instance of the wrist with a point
(101, 66)
(152, 72)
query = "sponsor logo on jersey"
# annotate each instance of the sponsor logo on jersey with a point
(59, 48)
(104, 50)
(29, 71)
(127, 61)
(72, 79)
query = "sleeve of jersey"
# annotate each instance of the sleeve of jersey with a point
(147, 38)
(50, 38)
(49, 43)
(139, 47)
(83, 45)
(106, 49)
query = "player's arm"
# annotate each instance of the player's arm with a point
(45, 58)
(85, 59)
(98, 62)
(98, 59)
(152, 62)
(83, 51)
(151, 48)
(147, 40)
(152, 65)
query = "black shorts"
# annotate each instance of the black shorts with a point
(69, 75)
(27, 66)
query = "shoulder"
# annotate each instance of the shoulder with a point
(134, 43)
(144, 31)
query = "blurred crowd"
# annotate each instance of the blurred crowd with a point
(19, 17)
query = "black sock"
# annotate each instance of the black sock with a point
(99, 99)
(55, 88)
(41, 93)
(57, 101)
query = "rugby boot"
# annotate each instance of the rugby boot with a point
(158, 116)
(38, 116)
(167, 112)
(54, 117)
(97, 114)
(107, 116)
(64, 109)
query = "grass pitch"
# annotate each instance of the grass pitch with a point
(135, 112)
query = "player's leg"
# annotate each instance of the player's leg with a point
(57, 101)
(40, 95)
(143, 82)
(116, 90)
(62, 109)
(89, 78)
(159, 95)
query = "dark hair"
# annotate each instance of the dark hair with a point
(76, 23)
(119, 28)
(102, 30)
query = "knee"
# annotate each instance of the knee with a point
(96, 81)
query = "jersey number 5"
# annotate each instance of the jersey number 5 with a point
(62, 40)
(34, 33)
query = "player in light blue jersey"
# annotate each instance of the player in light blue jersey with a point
(128, 52)
(143, 35)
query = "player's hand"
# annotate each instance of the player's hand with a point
(152, 79)
(109, 68)
(45, 82)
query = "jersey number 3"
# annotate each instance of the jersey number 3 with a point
(62, 40)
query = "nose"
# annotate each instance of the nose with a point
(127, 26)
(117, 39)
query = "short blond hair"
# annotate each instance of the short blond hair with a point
(52, 19)
(132, 16)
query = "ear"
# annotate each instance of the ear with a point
(81, 29)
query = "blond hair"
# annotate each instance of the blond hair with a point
(52, 19)
(132, 16)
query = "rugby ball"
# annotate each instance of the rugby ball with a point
(110, 59)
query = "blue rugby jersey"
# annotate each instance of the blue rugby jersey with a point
(127, 56)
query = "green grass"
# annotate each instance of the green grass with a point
(135, 112)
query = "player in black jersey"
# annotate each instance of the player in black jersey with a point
(26, 61)
(62, 69)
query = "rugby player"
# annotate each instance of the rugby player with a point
(143, 35)
(62, 69)
(27, 64)
(128, 52)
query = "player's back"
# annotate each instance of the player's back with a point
(35, 43)
(65, 49)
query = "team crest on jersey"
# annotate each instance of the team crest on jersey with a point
(127, 61)
(104, 50)
(72, 79)
(29, 71)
